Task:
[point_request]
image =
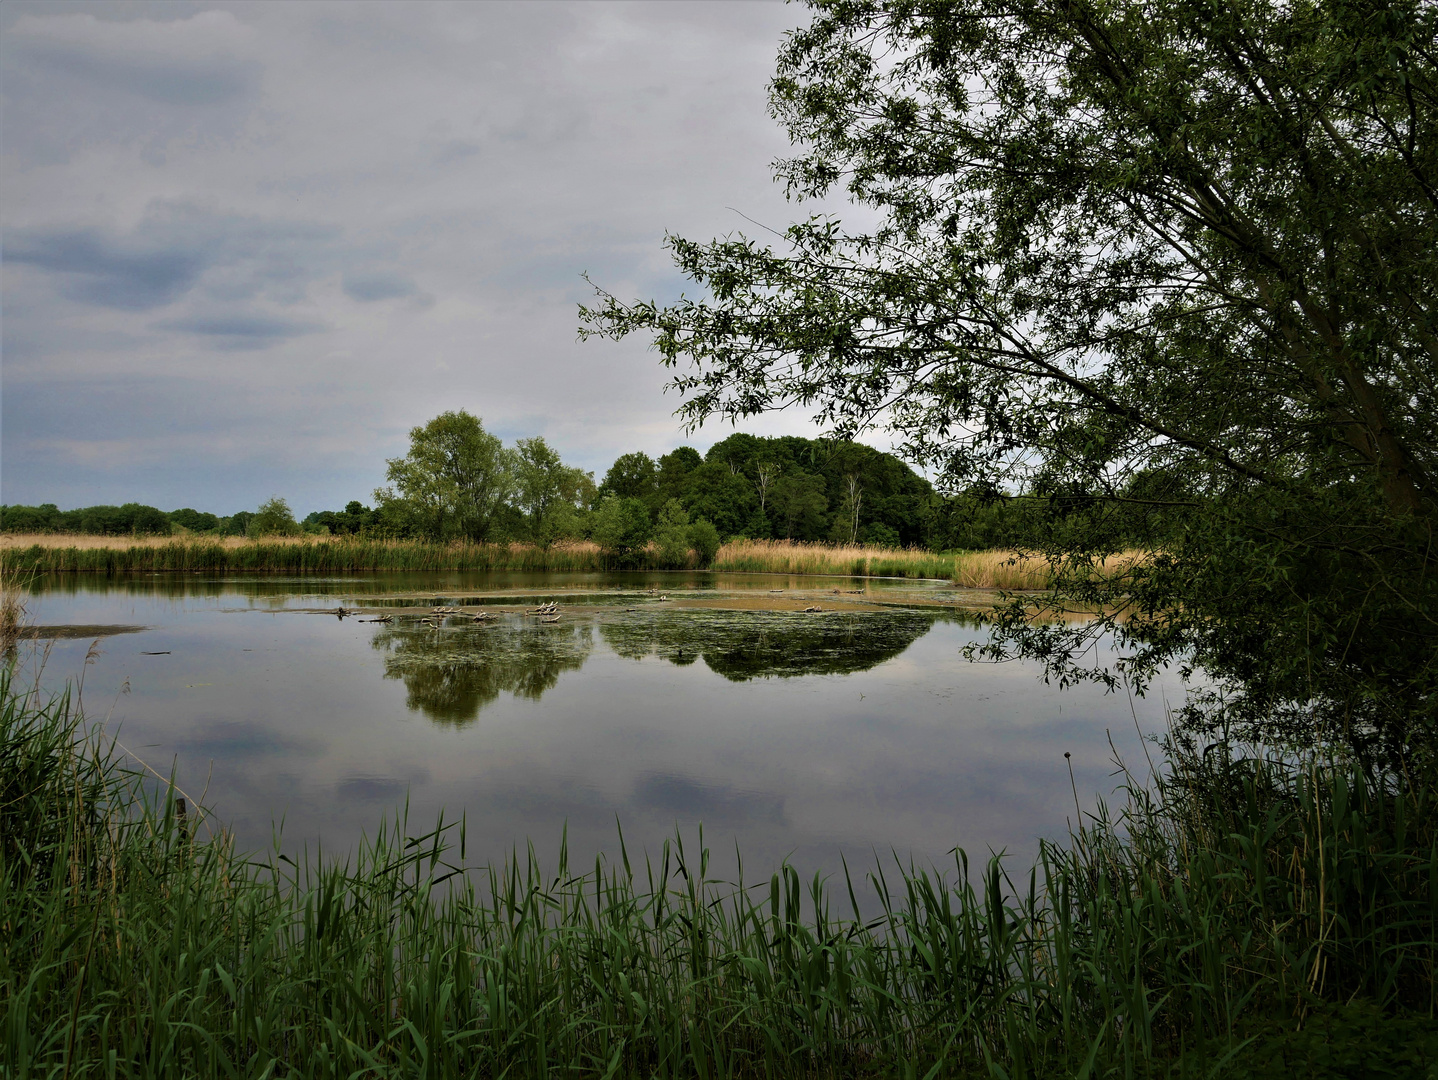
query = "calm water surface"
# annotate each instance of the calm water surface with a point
(858, 729)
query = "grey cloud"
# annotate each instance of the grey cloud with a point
(168, 82)
(75, 81)
(182, 182)
(111, 273)
(150, 437)
(456, 150)
(165, 256)
(230, 739)
(370, 788)
(242, 330)
(377, 286)
(692, 800)
(195, 61)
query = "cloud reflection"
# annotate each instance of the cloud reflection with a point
(688, 799)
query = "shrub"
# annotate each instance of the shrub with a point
(671, 535)
(273, 519)
(704, 539)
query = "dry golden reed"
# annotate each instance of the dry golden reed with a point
(1002, 568)
(84, 542)
(320, 554)
(791, 557)
(13, 591)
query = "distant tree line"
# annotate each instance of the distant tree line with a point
(459, 482)
(273, 518)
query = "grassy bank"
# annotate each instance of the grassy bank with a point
(1247, 919)
(305, 555)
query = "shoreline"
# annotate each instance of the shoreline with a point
(63, 554)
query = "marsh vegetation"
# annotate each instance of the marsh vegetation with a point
(60, 553)
(1233, 917)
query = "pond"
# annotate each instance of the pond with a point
(653, 703)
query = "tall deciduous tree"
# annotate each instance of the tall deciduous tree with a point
(671, 534)
(799, 505)
(632, 476)
(454, 479)
(621, 526)
(1119, 241)
(548, 492)
(273, 518)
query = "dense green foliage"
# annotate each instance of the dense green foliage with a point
(132, 519)
(273, 518)
(549, 494)
(758, 488)
(354, 519)
(790, 488)
(1172, 269)
(452, 484)
(188, 519)
(1249, 918)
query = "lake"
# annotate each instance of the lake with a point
(858, 729)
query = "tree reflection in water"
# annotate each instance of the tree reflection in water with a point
(452, 673)
(743, 645)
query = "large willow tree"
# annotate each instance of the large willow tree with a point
(1170, 269)
(452, 484)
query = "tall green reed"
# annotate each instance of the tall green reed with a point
(345, 555)
(306, 557)
(1224, 898)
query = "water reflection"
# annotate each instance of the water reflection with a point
(744, 645)
(451, 674)
(541, 731)
(384, 588)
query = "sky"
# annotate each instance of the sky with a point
(247, 247)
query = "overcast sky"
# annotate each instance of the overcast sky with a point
(248, 246)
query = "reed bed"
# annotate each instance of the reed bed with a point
(851, 560)
(1238, 917)
(87, 542)
(14, 591)
(301, 555)
(1003, 568)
